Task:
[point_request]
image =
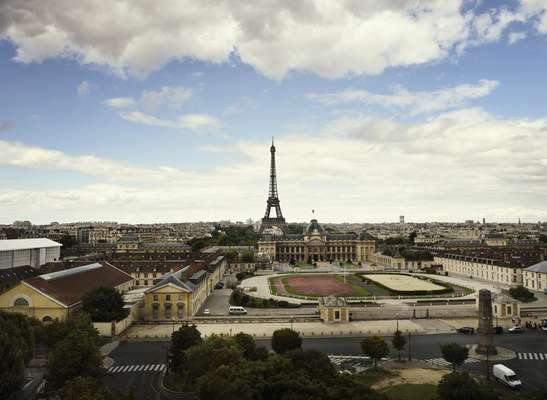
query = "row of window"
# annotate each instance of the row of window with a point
(168, 297)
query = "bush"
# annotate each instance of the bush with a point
(239, 298)
(521, 293)
(284, 340)
(461, 386)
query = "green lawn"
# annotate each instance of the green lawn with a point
(359, 290)
(409, 391)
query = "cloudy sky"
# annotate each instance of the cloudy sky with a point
(147, 111)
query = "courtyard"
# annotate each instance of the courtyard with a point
(404, 283)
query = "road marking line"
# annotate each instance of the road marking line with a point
(142, 368)
(162, 367)
(132, 368)
(523, 356)
(536, 356)
(530, 355)
(540, 356)
(146, 367)
(125, 368)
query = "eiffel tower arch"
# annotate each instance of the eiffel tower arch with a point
(272, 203)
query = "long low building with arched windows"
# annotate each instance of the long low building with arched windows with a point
(317, 245)
(58, 294)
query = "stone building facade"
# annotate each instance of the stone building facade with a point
(317, 245)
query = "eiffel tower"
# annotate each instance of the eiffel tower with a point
(273, 201)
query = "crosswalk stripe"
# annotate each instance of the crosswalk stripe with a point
(158, 367)
(162, 367)
(536, 356)
(125, 369)
(146, 367)
(540, 356)
(524, 356)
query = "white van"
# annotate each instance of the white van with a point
(506, 375)
(237, 310)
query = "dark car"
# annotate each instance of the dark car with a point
(516, 329)
(498, 330)
(219, 285)
(466, 330)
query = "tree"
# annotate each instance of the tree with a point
(11, 360)
(247, 257)
(83, 388)
(68, 241)
(412, 237)
(25, 333)
(181, 340)
(398, 341)
(285, 339)
(247, 345)
(56, 331)
(104, 304)
(521, 293)
(315, 363)
(76, 355)
(461, 386)
(375, 347)
(454, 354)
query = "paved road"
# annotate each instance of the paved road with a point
(531, 363)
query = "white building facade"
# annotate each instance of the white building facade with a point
(34, 252)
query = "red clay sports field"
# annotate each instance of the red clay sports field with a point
(313, 285)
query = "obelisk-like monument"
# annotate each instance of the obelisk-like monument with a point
(486, 329)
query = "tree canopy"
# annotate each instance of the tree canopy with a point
(375, 347)
(12, 359)
(454, 354)
(398, 341)
(461, 386)
(104, 304)
(285, 339)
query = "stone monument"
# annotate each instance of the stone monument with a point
(486, 329)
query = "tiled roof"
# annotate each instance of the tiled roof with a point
(69, 286)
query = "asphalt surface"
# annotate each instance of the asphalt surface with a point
(528, 346)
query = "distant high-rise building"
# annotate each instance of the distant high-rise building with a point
(402, 219)
(484, 221)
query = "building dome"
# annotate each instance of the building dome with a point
(314, 227)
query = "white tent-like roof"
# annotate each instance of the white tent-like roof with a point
(25, 244)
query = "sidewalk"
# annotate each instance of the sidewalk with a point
(309, 329)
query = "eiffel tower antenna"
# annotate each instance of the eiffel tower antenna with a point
(273, 200)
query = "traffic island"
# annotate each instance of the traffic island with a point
(502, 354)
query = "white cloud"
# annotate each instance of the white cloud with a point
(514, 37)
(119, 102)
(414, 103)
(330, 38)
(83, 88)
(458, 165)
(193, 122)
(173, 97)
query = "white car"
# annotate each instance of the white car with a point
(206, 311)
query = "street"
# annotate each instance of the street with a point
(141, 362)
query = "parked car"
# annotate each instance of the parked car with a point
(238, 310)
(219, 285)
(506, 375)
(466, 330)
(206, 311)
(516, 329)
(498, 330)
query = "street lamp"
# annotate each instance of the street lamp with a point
(397, 318)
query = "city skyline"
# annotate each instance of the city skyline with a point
(434, 111)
